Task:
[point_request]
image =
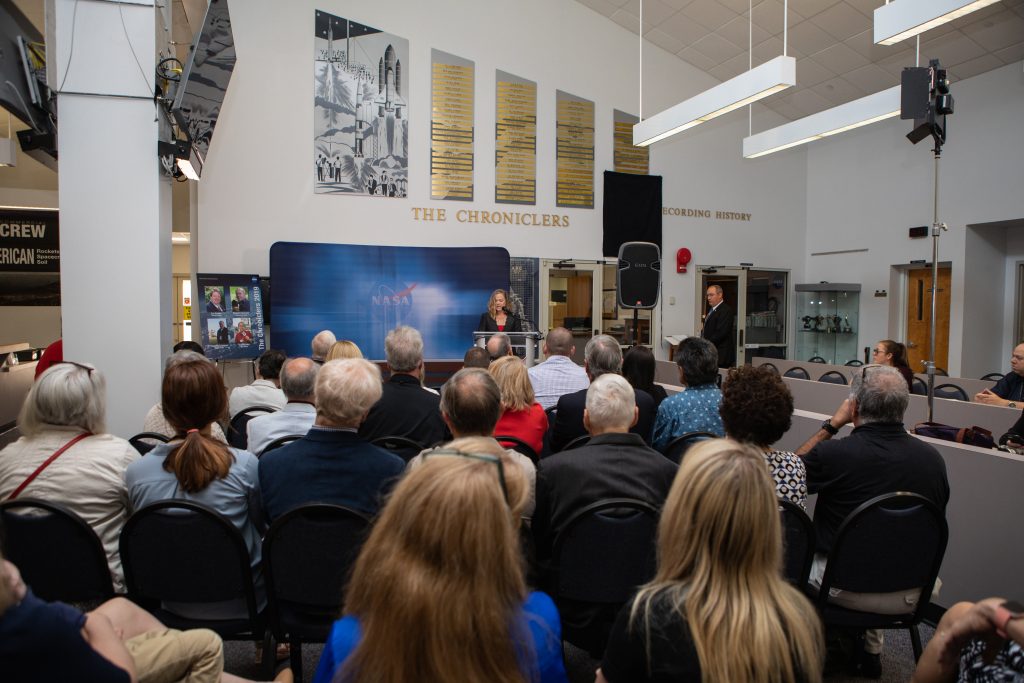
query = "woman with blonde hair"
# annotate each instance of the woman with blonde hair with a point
(343, 349)
(438, 593)
(498, 318)
(521, 416)
(718, 609)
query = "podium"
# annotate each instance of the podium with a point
(521, 341)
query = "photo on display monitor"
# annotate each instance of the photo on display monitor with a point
(231, 316)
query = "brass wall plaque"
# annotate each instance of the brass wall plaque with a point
(451, 127)
(515, 142)
(574, 184)
(628, 158)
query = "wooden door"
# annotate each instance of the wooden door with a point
(919, 314)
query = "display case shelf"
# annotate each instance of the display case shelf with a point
(827, 321)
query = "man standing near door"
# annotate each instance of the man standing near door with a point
(719, 328)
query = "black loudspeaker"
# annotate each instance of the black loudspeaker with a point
(638, 279)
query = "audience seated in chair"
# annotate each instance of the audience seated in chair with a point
(878, 457)
(601, 356)
(265, 389)
(66, 408)
(476, 357)
(155, 420)
(638, 367)
(695, 409)
(332, 463)
(558, 374)
(521, 416)
(321, 345)
(116, 642)
(498, 346)
(298, 379)
(406, 408)
(613, 464)
(198, 468)
(1009, 391)
(718, 589)
(340, 350)
(438, 592)
(757, 408)
(975, 642)
(471, 406)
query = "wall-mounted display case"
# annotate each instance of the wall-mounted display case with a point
(827, 321)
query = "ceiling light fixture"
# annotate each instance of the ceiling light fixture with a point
(866, 110)
(901, 19)
(750, 86)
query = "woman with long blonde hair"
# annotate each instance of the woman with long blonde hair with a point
(718, 609)
(344, 349)
(438, 593)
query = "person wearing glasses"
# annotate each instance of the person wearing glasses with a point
(438, 591)
(893, 354)
(64, 415)
(877, 457)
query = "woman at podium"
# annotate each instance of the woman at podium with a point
(498, 318)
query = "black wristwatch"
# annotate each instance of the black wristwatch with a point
(827, 426)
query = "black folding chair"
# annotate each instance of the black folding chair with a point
(581, 440)
(604, 552)
(833, 377)
(796, 372)
(184, 552)
(307, 556)
(993, 377)
(951, 391)
(770, 366)
(519, 446)
(797, 543)
(401, 446)
(278, 442)
(816, 359)
(854, 363)
(238, 437)
(60, 557)
(677, 447)
(139, 441)
(894, 542)
(918, 387)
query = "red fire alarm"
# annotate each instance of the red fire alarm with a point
(683, 257)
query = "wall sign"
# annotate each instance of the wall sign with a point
(451, 127)
(29, 258)
(628, 158)
(515, 144)
(574, 153)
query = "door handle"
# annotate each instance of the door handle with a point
(911, 345)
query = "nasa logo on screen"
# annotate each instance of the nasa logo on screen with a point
(391, 304)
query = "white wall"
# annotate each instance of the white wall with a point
(865, 188)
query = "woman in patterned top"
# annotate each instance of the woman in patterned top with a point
(757, 408)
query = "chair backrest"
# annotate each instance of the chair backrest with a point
(894, 542)
(139, 441)
(519, 446)
(307, 556)
(606, 550)
(238, 437)
(941, 372)
(833, 377)
(770, 366)
(951, 391)
(677, 447)
(796, 372)
(854, 363)
(816, 359)
(401, 446)
(60, 557)
(580, 440)
(797, 543)
(993, 377)
(278, 442)
(918, 387)
(180, 551)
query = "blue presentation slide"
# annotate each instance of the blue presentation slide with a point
(361, 292)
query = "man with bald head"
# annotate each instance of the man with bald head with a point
(321, 344)
(558, 375)
(1009, 391)
(499, 345)
(298, 382)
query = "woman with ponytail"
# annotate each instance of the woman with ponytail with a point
(718, 609)
(894, 354)
(195, 466)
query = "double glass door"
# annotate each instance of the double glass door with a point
(758, 300)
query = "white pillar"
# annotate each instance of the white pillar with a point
(115, 206)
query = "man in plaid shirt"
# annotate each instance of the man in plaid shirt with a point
(558, 375)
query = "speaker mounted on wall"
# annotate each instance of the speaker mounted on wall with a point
(638, 278)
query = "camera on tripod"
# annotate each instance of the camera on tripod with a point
(925, 98)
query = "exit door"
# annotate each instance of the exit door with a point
(733, 281)
(918, 316)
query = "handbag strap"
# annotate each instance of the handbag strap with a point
(46, 463)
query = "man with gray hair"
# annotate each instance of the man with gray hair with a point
(332, 463)
(613, 464)
(602, 356)
(321, 344)
(878, 457)
(298, 382)
(406, 407)
(558, 375)
(499, 345)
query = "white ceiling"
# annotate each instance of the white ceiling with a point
(836, 58)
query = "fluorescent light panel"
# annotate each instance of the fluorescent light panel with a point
(903, 19)
(750, 86)
(877, 107)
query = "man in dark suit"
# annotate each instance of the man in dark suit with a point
(332, 464)
(602, 356)
(406, 408)
(719, 327)
(613, 464)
